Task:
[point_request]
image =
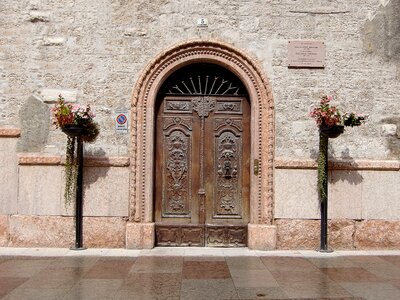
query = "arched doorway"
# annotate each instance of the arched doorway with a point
(140, 230)
(202, 158)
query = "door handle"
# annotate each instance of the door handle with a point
(256, 167)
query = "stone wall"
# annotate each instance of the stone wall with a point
(357, 190)
(363, 206)
(94, 52)
(33, 212)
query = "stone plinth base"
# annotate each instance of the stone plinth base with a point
(4, 231)
(342, 234)
(261, 237)
(140, 235)
(58, 231)
(377, 234)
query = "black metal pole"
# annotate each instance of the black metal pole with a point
(324, 193)
(79, 199)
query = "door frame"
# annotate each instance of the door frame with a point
(140, 231)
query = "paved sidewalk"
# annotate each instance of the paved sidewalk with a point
(197, 273)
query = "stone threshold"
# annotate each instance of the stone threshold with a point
(35, 159)
(344, 164)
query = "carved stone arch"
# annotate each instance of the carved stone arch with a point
(143, 128)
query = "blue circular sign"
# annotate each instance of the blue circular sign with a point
(121, 119)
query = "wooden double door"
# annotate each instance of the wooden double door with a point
(202, 187)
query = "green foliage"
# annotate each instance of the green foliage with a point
(71, 170)
(67, 116)
(322, 161)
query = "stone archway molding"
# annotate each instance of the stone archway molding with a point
(140, 227)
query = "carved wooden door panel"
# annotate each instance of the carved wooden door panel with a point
(202, 171)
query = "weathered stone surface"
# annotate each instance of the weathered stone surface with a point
(34, 159)
(140, 235)
(341, 234)
(339, 164)
(54, 231)
(89, 161)
(261, 237)
(102, 57)
(113, 161)
(106, 191)
(10, 132)
(389, 129)
(54, 41)
(51, 95)
(8, 176)
(298, 234)
(377, 234)
(39, 16)
(4, 230)
(380, 195)
(40, 190)
(35, 125)
(295, 194)
(381, 28)
(41, 231)
(345, 194)
(104, 232)
(305, 234)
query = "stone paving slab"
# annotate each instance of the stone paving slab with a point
(197, 273)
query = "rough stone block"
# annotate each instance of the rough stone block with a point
(4, 230)
(341, 234)
(305, 234)
(41, 231)
(140, 235)
(377, 234)
(261, 237)
(380, 195)
(40, 190)
(54, 41)
(388, 130)
(39, 16)
(51, 95)
(104, 232)
(298, 234)
(35, 125)
(296, 194)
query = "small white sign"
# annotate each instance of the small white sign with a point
(121, 121)
(202, 22)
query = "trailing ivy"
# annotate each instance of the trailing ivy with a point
(68, 116)
(322, 160)
(71, 170)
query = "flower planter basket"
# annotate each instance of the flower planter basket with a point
(72, 130)
(331, 131)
